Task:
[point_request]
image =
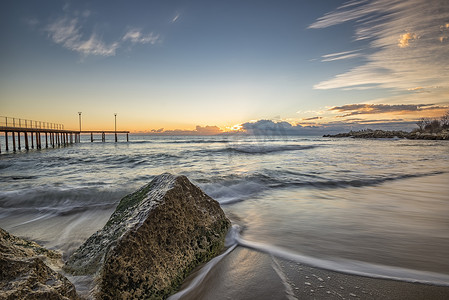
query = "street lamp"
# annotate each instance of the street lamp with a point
(79, 113)
(115, 128)
(79, 135)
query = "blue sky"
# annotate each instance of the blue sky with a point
(178, 65)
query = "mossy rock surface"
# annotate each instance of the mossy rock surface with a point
(152, 241)
(24, 273)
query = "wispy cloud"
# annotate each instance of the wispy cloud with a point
(407, 45)
(364, 109)
(312, 118)
(175, 18)
(32, 22)
(71, 32)
(340, 55)
(136, 36)
(67, 33)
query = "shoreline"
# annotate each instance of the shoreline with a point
(250, 274)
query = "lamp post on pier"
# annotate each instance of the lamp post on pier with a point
(79, 113)
(79, 136)
(115, 127)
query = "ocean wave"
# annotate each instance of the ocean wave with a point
(264, 149)
(233, 188)
(369, 181)
(351, 267)
(58, 200)
(195, 142)
(16, 177)
(227, 193)
(5, 165)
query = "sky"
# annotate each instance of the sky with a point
(206, 67)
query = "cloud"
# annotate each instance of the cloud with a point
(404, 40)
(136, 36)
(313, 118)
(199, 130)
(282, 128)
(175, 18)
(340, 55)
(266, 127)
(71, 33)
(418, 88)
(364, 109)
(419, 29)
(67, 33)
(270, 128)
(206, 130)
(32, 22)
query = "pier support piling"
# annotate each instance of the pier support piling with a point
(32, 142)
(13, 142)
(26, 141)
(18, 140)
(6, 141)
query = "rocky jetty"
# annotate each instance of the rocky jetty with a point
(381, 134)
(25, 271)
(155, 237)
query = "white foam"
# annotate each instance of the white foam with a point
(232, 193)
(350, 266)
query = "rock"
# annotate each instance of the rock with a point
(376, 134)
(24, 273)
(155, 237)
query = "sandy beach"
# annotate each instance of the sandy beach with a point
(249, 274)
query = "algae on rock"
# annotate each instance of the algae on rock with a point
(155, 237)
(24, 273)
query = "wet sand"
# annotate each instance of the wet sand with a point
(249, 274)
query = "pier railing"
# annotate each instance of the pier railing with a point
(31, 124)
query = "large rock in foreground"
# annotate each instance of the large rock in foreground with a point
(155, 237)
(24, 275)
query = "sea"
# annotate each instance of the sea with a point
(373, 207)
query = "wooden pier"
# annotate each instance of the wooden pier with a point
(103, 134)
(35, 133)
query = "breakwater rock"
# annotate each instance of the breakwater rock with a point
(382, 134)
(155, 237)
(25, 274)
